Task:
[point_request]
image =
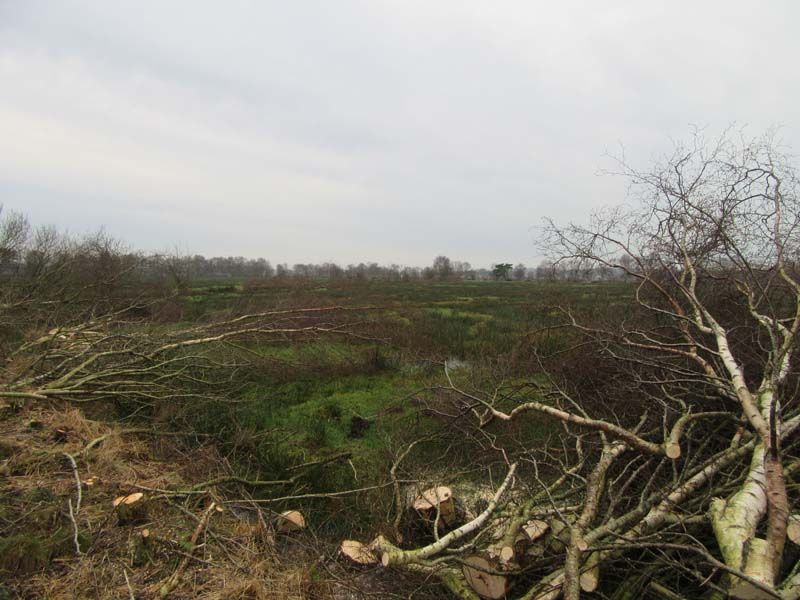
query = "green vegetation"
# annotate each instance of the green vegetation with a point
(359, 394)
(273, 414)
(22, 553)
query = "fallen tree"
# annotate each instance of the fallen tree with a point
(112, 358)
(677, 463)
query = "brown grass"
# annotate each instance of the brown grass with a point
(239, 557)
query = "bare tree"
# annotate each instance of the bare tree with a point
(686, 478)
(14, 232)
(442, 267)
(520, 272)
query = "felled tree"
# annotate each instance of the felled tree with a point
(717, 219)
(703, 377)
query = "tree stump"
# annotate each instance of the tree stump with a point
(131, 509)
(291, 521)
(437, 499)
(357, 554)
(142, 551)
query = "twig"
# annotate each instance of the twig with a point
(75, 539)
(139, 430)
(74, 466)
(164, 589)
(318, 495)
(128, 583)
(73, 514)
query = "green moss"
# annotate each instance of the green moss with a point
(23, 554)
(40, 494)
(7, 449)
(62, 542)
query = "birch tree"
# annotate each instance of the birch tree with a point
(687, 479)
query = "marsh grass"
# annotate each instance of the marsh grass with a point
(311, 393)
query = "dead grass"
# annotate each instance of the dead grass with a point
(239, 556)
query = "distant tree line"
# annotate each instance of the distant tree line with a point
(33, 260)
(442, 269)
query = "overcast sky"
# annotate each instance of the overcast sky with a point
(390, 131)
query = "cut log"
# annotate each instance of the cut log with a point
(291, 520)
(487, 585)
(357, 553)
(793, 529)
(559, 535)
(437, 499)
(758, 565)
(672, 449)
(590, 573)
(378, 547)
(515, 553)
(131, 509)
(510, 551)
(535, 529)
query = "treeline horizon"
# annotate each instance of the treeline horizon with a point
(26, 251)
(442, 269)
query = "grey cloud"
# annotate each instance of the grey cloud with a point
(388, 131)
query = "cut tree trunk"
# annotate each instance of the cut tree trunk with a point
(590, 572)
(486, 584)
(758, 565)
(142, 548)
(559, 536)
(290, 521)
(793, 529)
(735, 522)
(357, 554)
(436, 500)
(131, 509)
(535, 529)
